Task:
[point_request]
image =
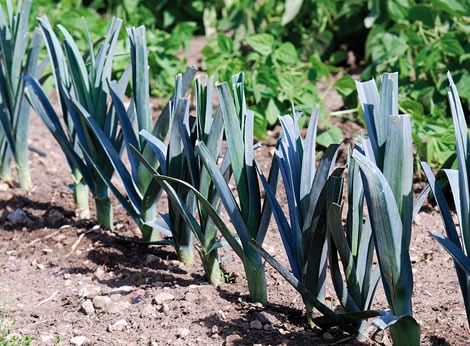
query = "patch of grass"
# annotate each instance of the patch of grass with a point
(8, 337)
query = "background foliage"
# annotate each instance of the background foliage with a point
(288, 45)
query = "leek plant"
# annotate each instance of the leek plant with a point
(305, 237)
(81, 84)
(386, 164)
(248, 217)
(141, 191)
(459, 182)
(354, 245)
(185, 212)
(19, 55)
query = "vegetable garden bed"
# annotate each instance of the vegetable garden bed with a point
(52, 264)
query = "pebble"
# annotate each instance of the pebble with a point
(90, 291)
(118, 326)
(147, 311)
(190, 297)
(327, 336)
(87, 307)
(163, 297)
(78, 340)
(256, 324)
(165, 309)
(99, 274)
(233, 339)
(117, 307)
(101, 302)
(17, 217)
(182, 332)
(153, 259)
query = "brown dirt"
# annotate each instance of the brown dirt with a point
(54, 264)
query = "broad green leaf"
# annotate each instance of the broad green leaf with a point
(261, 43)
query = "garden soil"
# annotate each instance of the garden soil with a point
(64, 280)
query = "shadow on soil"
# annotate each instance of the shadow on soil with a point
(133, 264)
(35, 215)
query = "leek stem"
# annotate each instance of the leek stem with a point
(80, 195)
(254, 269)
(24, 175)
(104, 212)
(185, 254)
(149, 233)
(5, 170)
(210, 263)
(104, 209)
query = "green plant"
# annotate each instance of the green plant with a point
(422, 40)
(81, 85)
(457, 246)
(386, 163)
(305, 237)
(275, 75)
(249, 218)
(142, 191)
(19, 55)
(9, 338)
(354, 247)
(185, 167)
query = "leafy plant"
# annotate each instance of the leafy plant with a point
(457, 246)
(354, 246)
(82, 92)
(8, 337)
(19, 55)
(305, 237)
(249, 218)
(388, 191)
(142, 191)
(422, 40)
(184, 208)
(275, 75)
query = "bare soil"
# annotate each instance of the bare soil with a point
(62, 277)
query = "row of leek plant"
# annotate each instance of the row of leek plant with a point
(380, 171)
(96, 128)
(457, 245)
(19, 54)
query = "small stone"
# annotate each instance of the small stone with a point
(215, 329)
(17, 217)
(67, 276)
(150, 259)
(256, 324)
(165, 308)
(87, 307)
(99, 274)
(233, 339)
(147, 311)
(117, 307)
(163, 297)
(101, 302)
(268, 327)
(123, 290)
(78, 340)
(118, 326)
(182, 333)
(190, 297)
(40, 266)
(46, 250)
(327, 336)
(221, 314)
(90, 291)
